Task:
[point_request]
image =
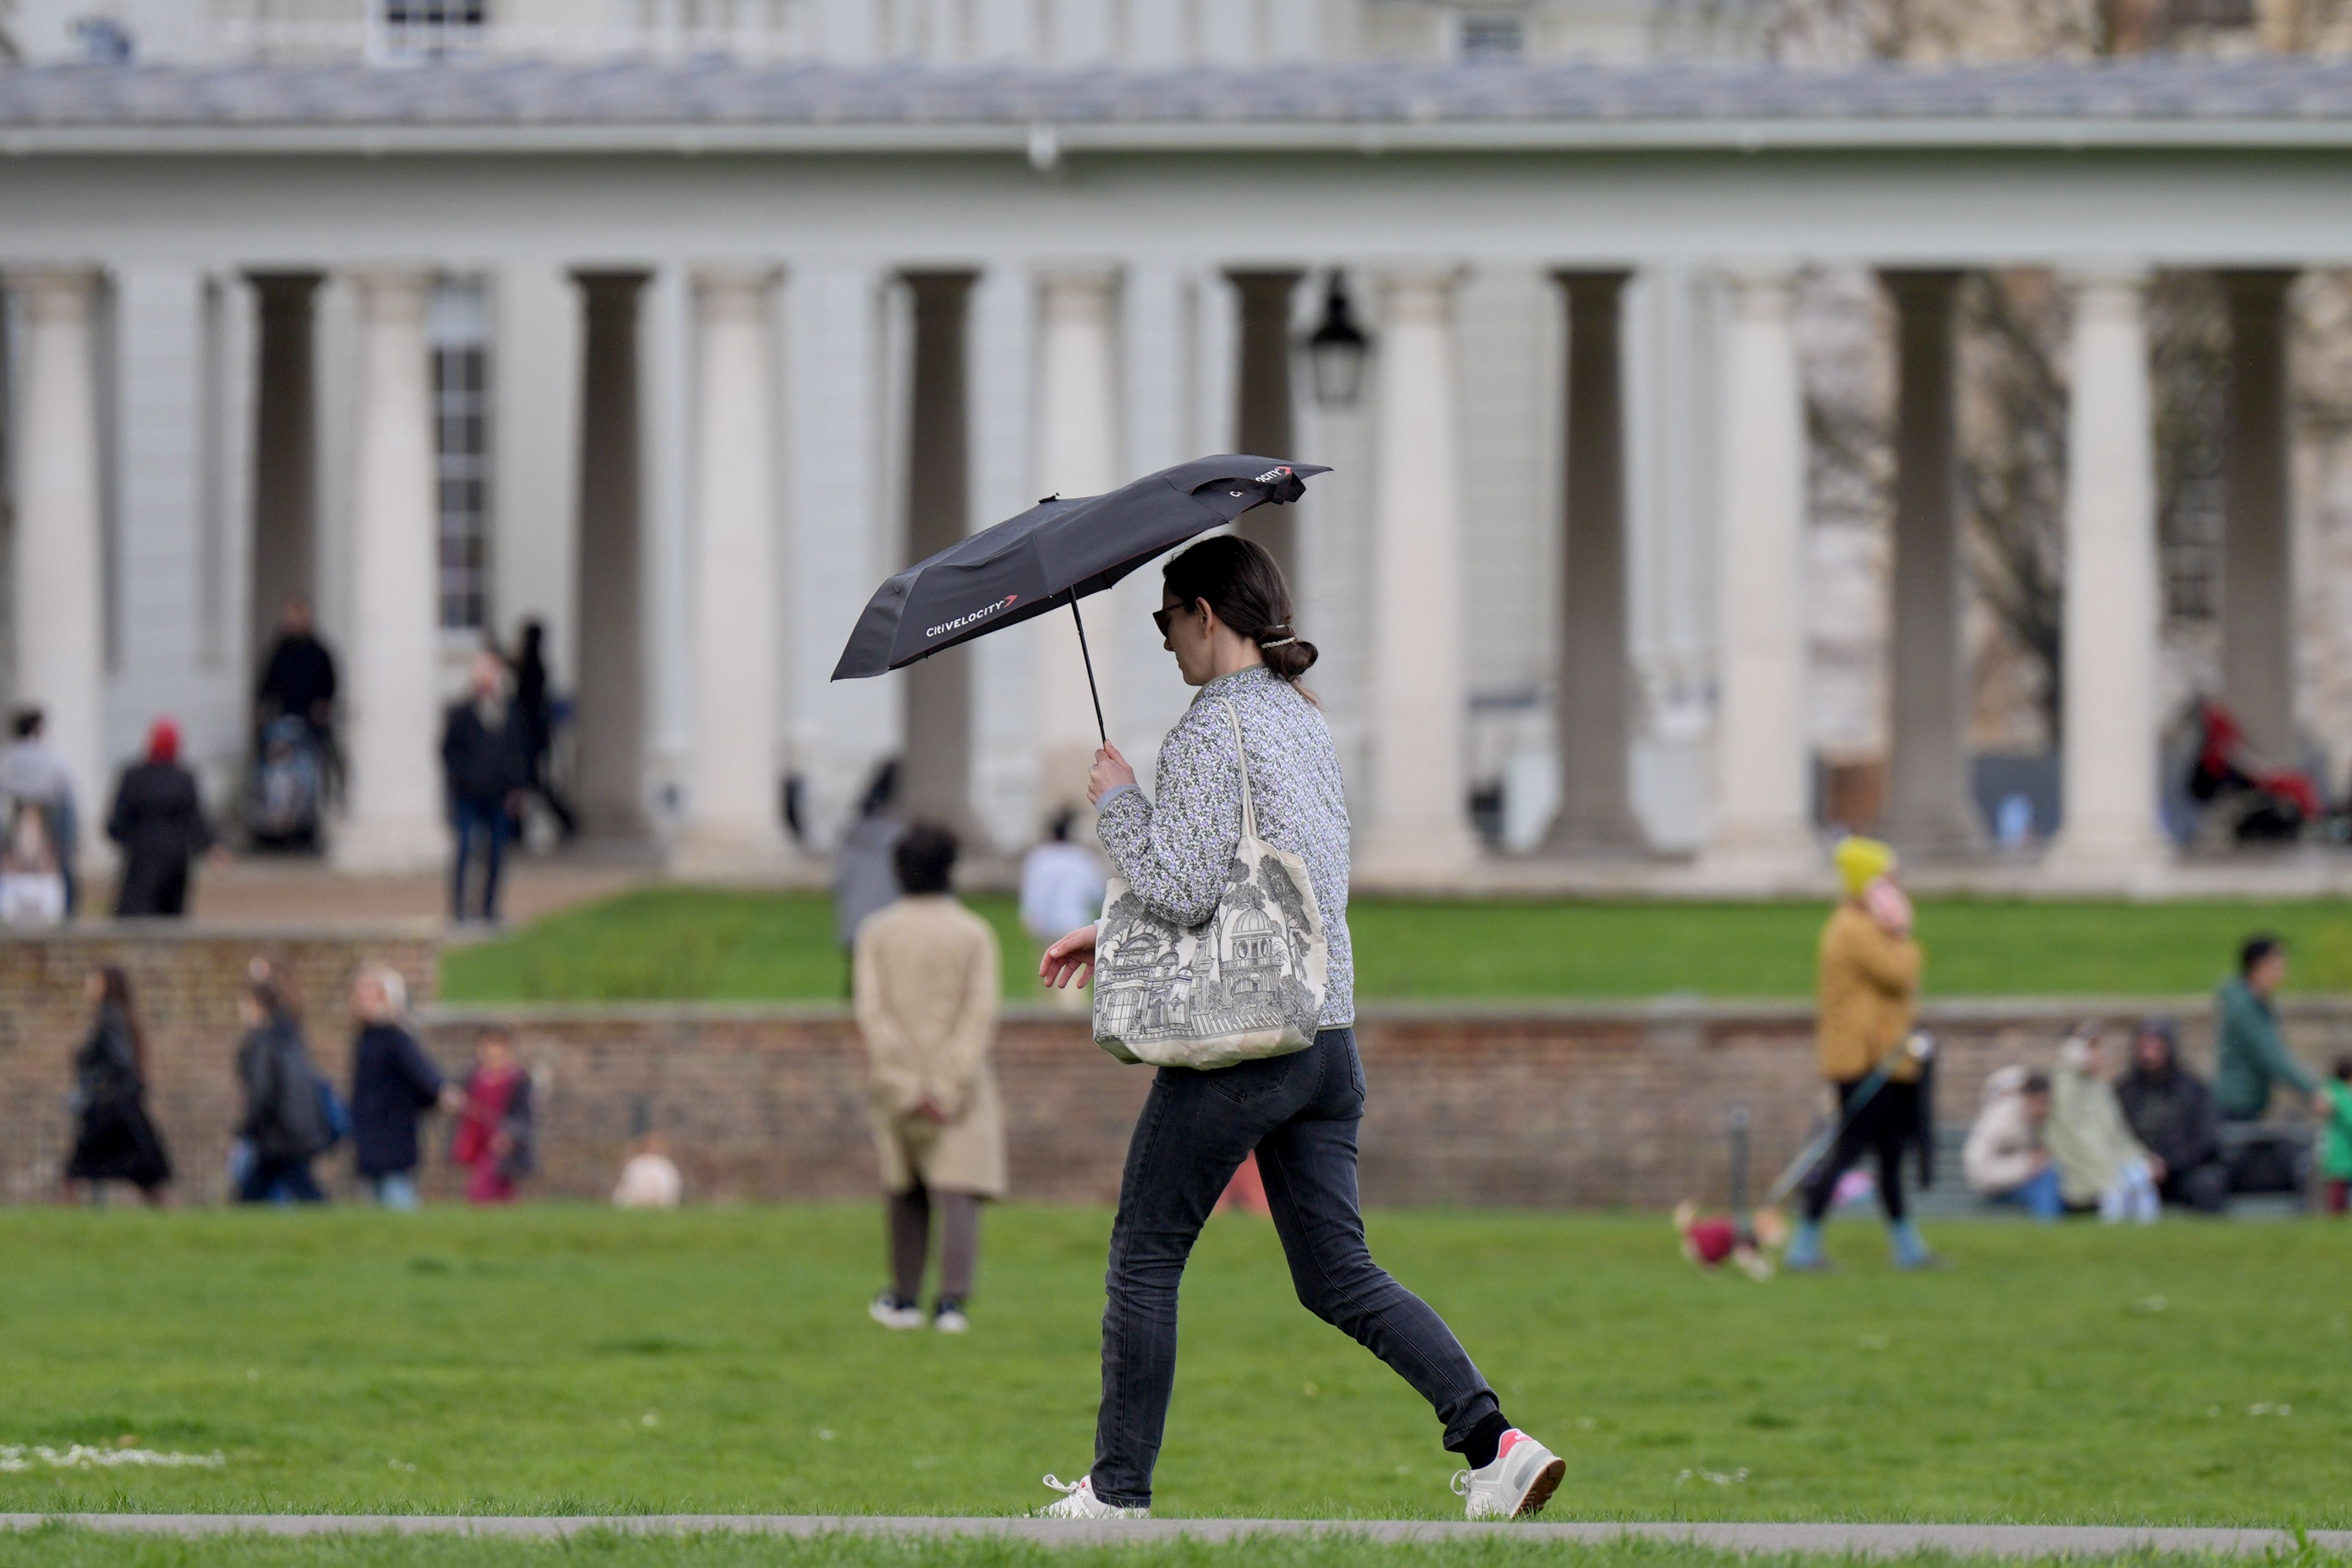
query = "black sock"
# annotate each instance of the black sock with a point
(1477, 1450)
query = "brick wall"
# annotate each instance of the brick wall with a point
(1587, 1105)
(186, 980)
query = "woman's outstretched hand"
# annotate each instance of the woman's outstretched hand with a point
(1070, 961)
(1109, 772)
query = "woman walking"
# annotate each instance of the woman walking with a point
(286, 1124)
(113, 1139)
(1225, 613)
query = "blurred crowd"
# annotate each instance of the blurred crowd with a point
(497, 749)
(2071, 1138)
(292, 1115)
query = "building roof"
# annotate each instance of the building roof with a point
(714, 103)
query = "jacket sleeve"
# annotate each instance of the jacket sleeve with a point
(1173, 852)
(255, 1068)
(896, 1085)
(416, 1069)
(956, 1068)
(200, 831)
(1891, 962)
(2271, 1051)
(118, 818)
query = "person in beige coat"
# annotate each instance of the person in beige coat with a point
(926, 977)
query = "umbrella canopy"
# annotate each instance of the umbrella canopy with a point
(1055, 553)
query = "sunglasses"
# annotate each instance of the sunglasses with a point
(1163, 619)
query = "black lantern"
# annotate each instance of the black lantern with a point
(1336, 349)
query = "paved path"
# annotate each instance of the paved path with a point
(1869, 1540)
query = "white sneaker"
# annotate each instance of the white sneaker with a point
(1517, 1485)
(1079, 1501)
(893, 1313)
(949, 1319)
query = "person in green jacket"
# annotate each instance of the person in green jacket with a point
(2335, 1165)
(2249, 1055)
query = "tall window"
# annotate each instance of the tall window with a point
(459, 332)
(430, 26)
(1490, 35)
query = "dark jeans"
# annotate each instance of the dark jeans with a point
(279, 1181)
(1887, 1124)
(481, 830)
(1299, 1112)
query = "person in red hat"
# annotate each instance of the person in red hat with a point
(158, 820)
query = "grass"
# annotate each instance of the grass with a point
(672, 943)
(552, 1359)
(55, 1547)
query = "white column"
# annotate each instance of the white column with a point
(1077, 454)
(734, 811)
(394, 820)
(59, 618)
(2109, 713)
(1762, 820)
(1417, 830)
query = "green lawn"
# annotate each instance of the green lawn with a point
(670, 943)
(60, 1548)
(576, 1359)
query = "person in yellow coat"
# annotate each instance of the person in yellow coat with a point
(1869, 990)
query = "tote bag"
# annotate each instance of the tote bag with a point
(1245, 983)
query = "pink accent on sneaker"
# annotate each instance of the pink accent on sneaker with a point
(1511, 1439)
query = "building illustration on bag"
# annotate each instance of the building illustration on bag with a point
(1236, 974)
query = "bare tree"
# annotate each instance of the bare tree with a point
(2014, 466)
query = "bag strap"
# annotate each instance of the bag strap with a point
(1249, 806)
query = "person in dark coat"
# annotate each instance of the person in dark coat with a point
(113, 1138)
(285, 1125)
(158, 820)
(394, 1084)
(2171, 1110)
(300, 680)
(484, 762)
(535, 701)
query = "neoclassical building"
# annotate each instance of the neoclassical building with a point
(679, 334)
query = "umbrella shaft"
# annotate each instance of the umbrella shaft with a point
(1092, 690)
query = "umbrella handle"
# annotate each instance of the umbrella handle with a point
(1092, 690)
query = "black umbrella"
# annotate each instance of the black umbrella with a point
(1057, 552)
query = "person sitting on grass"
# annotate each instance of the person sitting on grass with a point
(2171, 1110)
(927, 974)
(1869, 989)
(2336, 1164)
(493, 1138)
(2005, 1159)
(2100, 1163)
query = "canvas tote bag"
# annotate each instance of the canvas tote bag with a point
(1248, 982)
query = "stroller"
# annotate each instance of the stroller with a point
(284, 808)
(2260, 804)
